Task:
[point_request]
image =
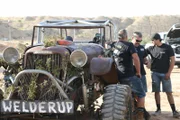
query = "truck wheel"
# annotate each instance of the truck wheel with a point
(117, 103)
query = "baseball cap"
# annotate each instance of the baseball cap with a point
(156, 36)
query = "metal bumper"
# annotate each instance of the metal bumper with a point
(54, 80)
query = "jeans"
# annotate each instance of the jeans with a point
(137, 86)
(144, 82)
(157, 78)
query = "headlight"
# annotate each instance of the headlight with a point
(78, 58)
(10, 55)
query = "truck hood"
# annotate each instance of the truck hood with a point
(173, 35)
(91, 49)
(48, 50)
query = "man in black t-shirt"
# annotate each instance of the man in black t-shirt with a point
(162, 63)
(125, 55)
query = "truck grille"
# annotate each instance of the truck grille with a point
(42, 86)
(49, 62)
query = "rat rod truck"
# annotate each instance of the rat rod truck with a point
(56, 78)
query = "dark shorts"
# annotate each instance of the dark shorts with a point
(157, 78)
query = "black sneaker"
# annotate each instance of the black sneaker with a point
(176, 114)
(157, 112)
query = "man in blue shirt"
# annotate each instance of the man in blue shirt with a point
(136, 40)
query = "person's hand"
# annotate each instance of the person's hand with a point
(145, 62)
(148, 65)
(167, 76)
(138, 75)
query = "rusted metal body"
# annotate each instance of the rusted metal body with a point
(105, 68)
(55, 78)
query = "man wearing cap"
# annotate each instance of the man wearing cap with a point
(125, 55)
(162, 64)
(136, 40)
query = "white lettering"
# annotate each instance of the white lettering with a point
(51, 106)
(37, 106)
(16, 106)
(24, 107)
(61, 107)
(41, 107)
(32, 107)
(6, 107)
(69, 106)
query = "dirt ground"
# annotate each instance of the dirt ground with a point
(150, 102)
(166, 113)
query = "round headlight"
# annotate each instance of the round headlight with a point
(10, 55)
(78, 58)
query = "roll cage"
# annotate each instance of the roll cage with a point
(105, 28)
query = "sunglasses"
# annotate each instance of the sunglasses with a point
(138, 40)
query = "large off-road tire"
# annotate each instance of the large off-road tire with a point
(117, 102)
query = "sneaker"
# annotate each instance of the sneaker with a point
(157, 112)
(176, 114)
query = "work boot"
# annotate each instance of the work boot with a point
(134, 115)
(147, 116)
(138, 114)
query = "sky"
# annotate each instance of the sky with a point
(88, 8)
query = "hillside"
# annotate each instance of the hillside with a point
(21, 27)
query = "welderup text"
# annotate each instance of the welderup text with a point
(37, 106)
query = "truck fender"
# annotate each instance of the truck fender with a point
(104, 67)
